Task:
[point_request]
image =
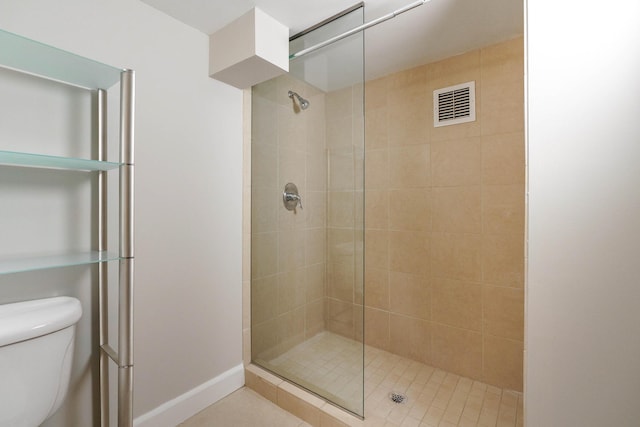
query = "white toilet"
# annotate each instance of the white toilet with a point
(36, 351)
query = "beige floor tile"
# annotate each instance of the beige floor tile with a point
(410, 422)
(467, 422)
(243, 408)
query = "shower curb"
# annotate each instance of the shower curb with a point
(299, 402)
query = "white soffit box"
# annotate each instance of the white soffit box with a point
(252, 49)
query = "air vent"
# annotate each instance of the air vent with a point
(454, 104)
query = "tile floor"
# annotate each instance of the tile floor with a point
(434, 398)
(244, 408)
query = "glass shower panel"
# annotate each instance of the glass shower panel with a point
(307, 251)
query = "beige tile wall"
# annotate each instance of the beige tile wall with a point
(288, 259)
(444, 218)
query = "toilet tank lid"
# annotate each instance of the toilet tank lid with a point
(21, 321)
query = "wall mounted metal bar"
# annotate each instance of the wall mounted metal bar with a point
(326, 21)
(357, 29)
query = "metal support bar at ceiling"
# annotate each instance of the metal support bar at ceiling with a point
(357, 29)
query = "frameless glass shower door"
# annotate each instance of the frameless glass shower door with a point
(307, 208)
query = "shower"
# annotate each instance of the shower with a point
(304, 104)
(402, 279)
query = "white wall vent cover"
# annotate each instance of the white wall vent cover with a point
(454, 104)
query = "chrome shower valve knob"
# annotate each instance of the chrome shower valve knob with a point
(291, 198)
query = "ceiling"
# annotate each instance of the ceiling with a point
(436, 30)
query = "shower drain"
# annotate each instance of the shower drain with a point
(397, 397)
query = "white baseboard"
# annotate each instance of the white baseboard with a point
(175, 411)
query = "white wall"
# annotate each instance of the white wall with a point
(583, 292)
(188, 186)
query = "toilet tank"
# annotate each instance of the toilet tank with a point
(36, 351)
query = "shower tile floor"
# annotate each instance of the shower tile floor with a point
(433, 397)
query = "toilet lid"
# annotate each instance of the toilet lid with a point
(30, 319)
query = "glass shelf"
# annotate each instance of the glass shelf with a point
(29, 56)
(18, 265)
(42, 161)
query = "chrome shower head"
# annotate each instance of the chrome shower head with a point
(304, 104)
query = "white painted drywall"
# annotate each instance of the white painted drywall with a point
(188, 189)
(583, 290)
